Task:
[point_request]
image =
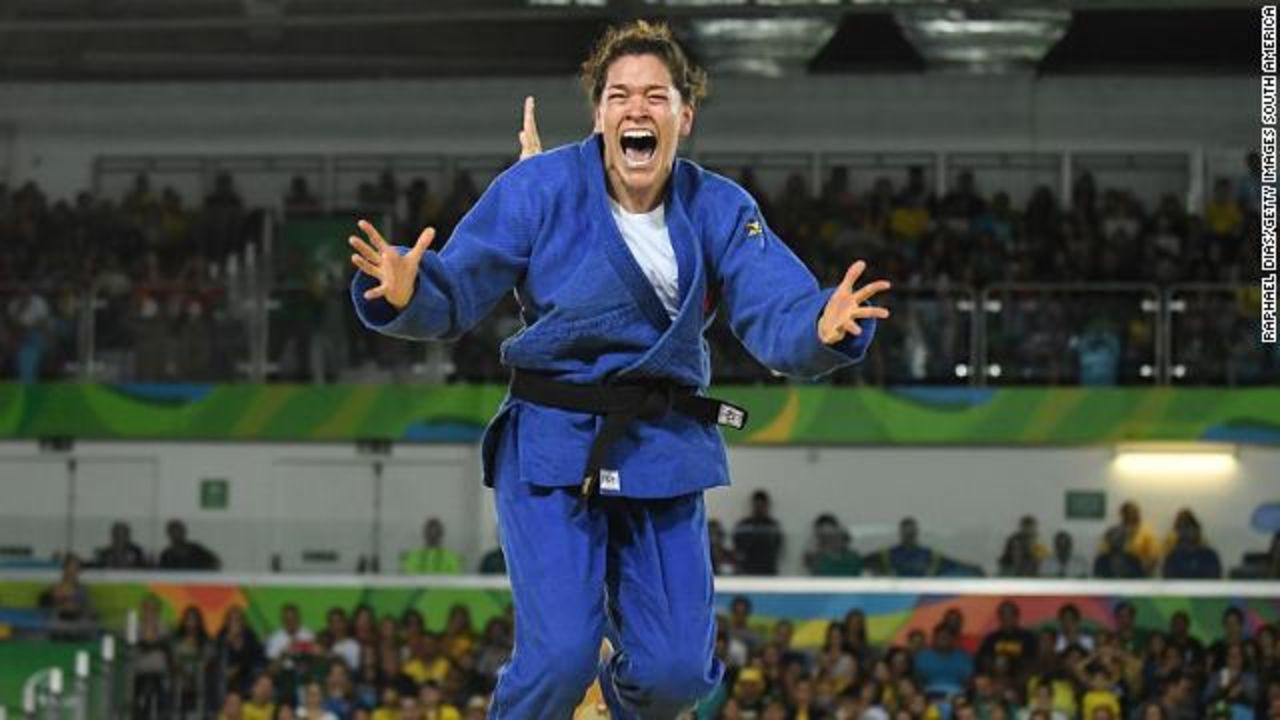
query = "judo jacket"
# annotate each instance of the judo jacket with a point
(544, 229)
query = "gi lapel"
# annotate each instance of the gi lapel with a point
(679, 342)
(615, 247)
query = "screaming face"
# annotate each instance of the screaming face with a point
(641, 117)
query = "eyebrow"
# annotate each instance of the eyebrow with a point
(647, 88)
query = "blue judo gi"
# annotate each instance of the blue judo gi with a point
(636, 564)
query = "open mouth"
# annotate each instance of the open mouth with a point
(639, 146)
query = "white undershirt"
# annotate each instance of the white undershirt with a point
(650, 244)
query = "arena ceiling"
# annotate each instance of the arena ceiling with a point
(237, 39)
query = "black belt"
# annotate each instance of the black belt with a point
(620, 404)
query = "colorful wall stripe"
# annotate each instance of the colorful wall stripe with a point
(794, 414)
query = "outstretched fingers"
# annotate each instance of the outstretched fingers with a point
(423, 242)
(866, 291)
(367, 267)
(366, 251)
(530, 143)
(879, 313)
(851, 276)
(376, 237)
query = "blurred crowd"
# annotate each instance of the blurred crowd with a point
(359, 665)
(1106, 670)
(162, 276)
(1130, 549)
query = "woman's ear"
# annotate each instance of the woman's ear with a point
(686, 120)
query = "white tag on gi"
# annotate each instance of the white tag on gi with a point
(610, 480)
(730, 416)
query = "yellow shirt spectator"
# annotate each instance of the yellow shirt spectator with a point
(1097, 699)
(255, 711)
(1223, 217)
(909, 223)
(431, 561)
(423, 670)
(1064, 695)
(444, 712)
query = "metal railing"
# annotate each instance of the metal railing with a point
(96, 687)
(1213, 336)
(1061, 333)
(241, 328)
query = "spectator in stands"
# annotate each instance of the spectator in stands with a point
(1129, 637)
(291, 638)
(68, 601)
(1051, 673)
(238, 654)
(830, 554)
(1069, 632)
(434, 705)
(1232, 634)
(1098, 352)
(1137, 537)
(1116, 561)
(224, 193)
(494, 648)
(152, 662)
(723, 560)
(1273, 558)
(191, 654)
(139, 201)
(744, 641)
(1249, 186)
(493, 562)
(1064, 562)
(1271, 703)
(1041, 705)
(1177, 699)
(313, 703)
(427, 660)
(1009, 640)
(261, 704)
(1190, 557)
(1188, 647)
(300, 201)
(1234, 684)
(338, 691)
(336, 638)
(32, 316)
(757, 538)
(908, 558)
(232, 706)
(423, 208)
(1224, 220)
(459, 639)
(1019, 556)
(184, 554)
(122, 552)
(1099, 695)
(433, 558)
(962, 205)
(943, 667)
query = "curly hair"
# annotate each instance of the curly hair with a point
(641, 37)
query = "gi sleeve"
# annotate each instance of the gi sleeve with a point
(483, 260)
(773, 301)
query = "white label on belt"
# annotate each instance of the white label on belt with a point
(730, 416)
(610, 480)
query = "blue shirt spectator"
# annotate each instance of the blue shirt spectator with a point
(943, 668)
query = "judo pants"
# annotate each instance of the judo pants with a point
(636, 570)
